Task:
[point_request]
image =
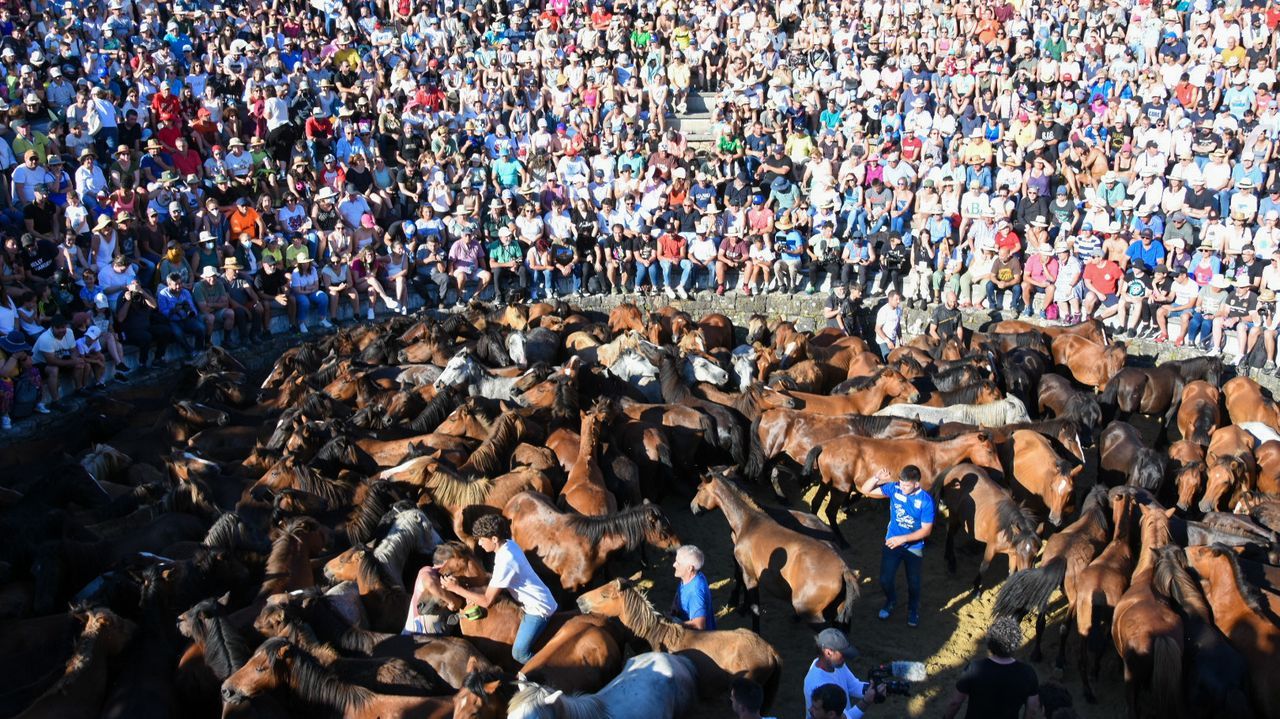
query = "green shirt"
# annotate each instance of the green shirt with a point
(509, 253)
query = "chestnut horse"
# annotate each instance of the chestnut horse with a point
(864, 396)
(1090, 329)
(1245, 403)
(1090, 363)
(844, 462)
(584, 490)
(985, 511)
(1147, 633)
(279, 664)
(1198, 413)
(1185, 471)
(719, 655)
(574, 547)
(807, 572)
(1042, 476)
(1065, 554)
(1239, 614)
(1232, 467)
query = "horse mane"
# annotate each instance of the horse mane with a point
(102, 460)
(1249, 594)
(1096, 502)
(231, 532)
(908, 362)
(872, 425)
(452, 550)
(436, 410)
(857, 384)
(308, 610)
(79, 662)
(319, 405)
(475, 681)
(449, 489)
(565, 402)
(338, 453)
(1017, 520)
(404, 536)
(452, 325)
(334, 492)
(531, 701)
(225, 648)
(630, 523)
(671, 385)
(1192, 368)
(1172, 580)
(1148, 469)
(364, 521)
(372, 417)
(493, 456)
(968, 394)
(370, 571)
(315, 683)
(640, 616)
(1083, 407)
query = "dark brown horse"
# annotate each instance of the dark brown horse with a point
(1157, 390)
(986, 512)
(80, 691)
(720, 655)
(806, 571)
(1241, 617)
(1198, 413)
(1057, 397)
(574, 547)
(1124, 458)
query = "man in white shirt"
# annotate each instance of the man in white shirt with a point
(512, 573)
(834, 650)
(889, 323)
(55, 352)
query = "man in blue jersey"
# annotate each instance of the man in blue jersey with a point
(692, 604)
(911, 512)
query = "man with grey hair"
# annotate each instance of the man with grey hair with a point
(692, 603)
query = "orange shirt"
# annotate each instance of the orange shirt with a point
(246, 223)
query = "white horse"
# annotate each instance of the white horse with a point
(743, 362)
(466, 370)
(653, 685)
(1009, 410)
(411, 532)
(416, 375)
(636, 370)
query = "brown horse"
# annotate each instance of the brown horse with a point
(1186, 471)
(1057, 397)
(1198, 413)
(584, 490)
(1098, 589)
(986, 512)
(865, 396)
(1090, 329)
(1268, 460)
(1042, 476)
(806, 571)
(1125, 458)
(1238, 613)
(1147, 632)
(984, 392)
(381, 594)
(1157, 390)
(1065, 555)
(845, 462)
(574, 653)
(465, 499)
(1232, 467)
(281, 665)
(83, 685)
(1090, 363)
(575, 547)
(1245, 403)
(719, 655)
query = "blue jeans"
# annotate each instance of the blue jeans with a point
(685, 268)
(546, 278)
(889, 561)
(530, 627)
(642, 272)
(1199, 329)
(189, 327)
(993, 294)
(307, 301)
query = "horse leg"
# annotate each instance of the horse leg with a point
(987, 556)
(1089, 696)
(776, 481)
(1036, 654)
(949, 551)
(816, 503)
(834, 505)
(753, 599)
(1064, 634)
(737, 588)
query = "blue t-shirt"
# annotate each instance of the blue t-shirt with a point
(908, 513)
(695, 601)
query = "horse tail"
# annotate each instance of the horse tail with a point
(1166, 676)
(755, 452)
(1096, 614)
(771, 684)
(1030, 589)
(811, 460)
(844, 615)
(1110, 391)
(1204, 424)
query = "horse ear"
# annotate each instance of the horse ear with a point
(473, 666)
(553, 698)
(984, 436)
(283, 650)
(225, 599)
(1170, 512)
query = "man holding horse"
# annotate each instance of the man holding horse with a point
(830, 688)
(911, 512)
(511, 572)
(692, 603)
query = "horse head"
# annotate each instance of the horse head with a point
(698, 367)
(607, 600)
(1223, 476)
(461, 369)
(346, 566)
(267, 669)
(658, 531)
(898, 386)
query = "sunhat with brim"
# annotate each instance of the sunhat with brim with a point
(208, 271)
(782, 225)
(1045, 249)
(302, 257)
(14, 342)
(1220, 282)
(231, 263)
(104, 221)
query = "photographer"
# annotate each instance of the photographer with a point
(998, 686)
(853, 697)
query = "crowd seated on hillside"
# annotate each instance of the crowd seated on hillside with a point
(172, 170)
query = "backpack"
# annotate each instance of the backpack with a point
(26, 393)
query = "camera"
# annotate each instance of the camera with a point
(883, 676)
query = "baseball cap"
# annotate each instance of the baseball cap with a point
(835, 640)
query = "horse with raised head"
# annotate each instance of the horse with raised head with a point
(864, 396)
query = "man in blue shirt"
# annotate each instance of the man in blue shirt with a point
(692, 603)
(911, 512)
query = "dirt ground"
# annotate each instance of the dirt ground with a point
(951, 625)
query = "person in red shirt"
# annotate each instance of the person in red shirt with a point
(1007, 238)
(319, 131)
(1101, 283)
(186, 161)
(165, 104)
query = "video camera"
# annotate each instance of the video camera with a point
(883, 675)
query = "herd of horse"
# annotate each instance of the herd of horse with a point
(229, 549)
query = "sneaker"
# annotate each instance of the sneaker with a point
(302, 327)
(58, 406)
(811, 291)
(326, 324)
(391, 304)
(746, 291)
(1270, 366)
(886, 611)
(683, 294)
(5, 422)
(123, 370)
(669, 292)
(913, 619)
(369, 314)
(41, 408)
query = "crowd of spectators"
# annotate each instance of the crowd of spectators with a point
(169, 169)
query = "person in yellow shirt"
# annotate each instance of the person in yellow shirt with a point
(978, 150)
(799, 145)
(345, 53)
(25, 138)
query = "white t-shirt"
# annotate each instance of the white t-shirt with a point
(888, 320)
(52, 345)
(842, 678)
(511, 571)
